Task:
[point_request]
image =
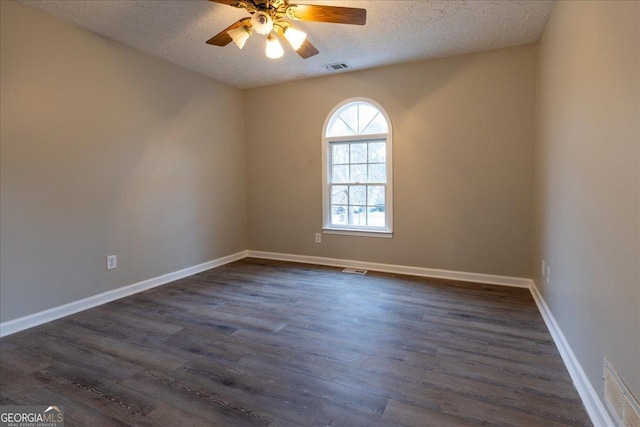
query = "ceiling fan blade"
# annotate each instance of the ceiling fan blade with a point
(223, 38)
(334, 14)
(307, 50)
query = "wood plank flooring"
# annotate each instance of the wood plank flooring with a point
(265, 343)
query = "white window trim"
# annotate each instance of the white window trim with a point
(327, 228)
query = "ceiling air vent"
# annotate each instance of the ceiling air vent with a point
(337, 66)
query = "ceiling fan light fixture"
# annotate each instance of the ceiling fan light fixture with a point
(271, 18)
(274, 48)
(262, 22)
(240, 35)
(295, 37)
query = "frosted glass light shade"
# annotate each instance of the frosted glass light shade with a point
(295, 37)
(240, 35)
(262, 23)
(274, 48)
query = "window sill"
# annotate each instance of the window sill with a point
(358, 233)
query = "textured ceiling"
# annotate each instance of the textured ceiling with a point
(397, 31)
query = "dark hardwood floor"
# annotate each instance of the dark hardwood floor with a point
(264, 343)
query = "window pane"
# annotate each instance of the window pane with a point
(338, 128)
(357, 215)
(358, 195)
(340, 153)
(366, 114)
(340, 174)
(358, 173)
(376, 216)
(358, 153)
(339, 195)
(350, 118)
(378, 125)
(339, 215)
(378, 172)
(359, 118)
(375, 195)
(377, 152)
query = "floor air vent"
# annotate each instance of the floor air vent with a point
(619, 400)
(354, 271)
(337, 66)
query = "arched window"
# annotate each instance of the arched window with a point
(357, 169)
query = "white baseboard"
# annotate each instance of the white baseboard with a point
(594, 406)
(26, 322)
(398, 269)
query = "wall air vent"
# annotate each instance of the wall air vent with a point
(337, 66)
(354, 271)
(619, 400)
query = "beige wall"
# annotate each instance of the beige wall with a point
(463, 137)
(587, 184)
(105, 150)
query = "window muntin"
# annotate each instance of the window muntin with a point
(357, 152)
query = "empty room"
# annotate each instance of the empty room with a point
(326, 213)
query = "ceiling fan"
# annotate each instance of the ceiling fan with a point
(271, 18)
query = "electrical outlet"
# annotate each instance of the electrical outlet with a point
(544, 269)
(318, 238)
(548, 275)
(112, 262)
